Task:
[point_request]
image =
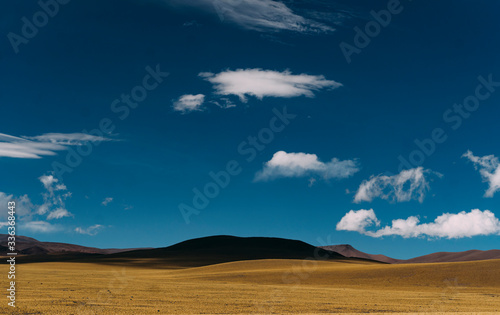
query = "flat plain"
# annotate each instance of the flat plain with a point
(270, 286)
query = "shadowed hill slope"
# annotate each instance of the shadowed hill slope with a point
(349, 251)
(223, 248)
(201, 252)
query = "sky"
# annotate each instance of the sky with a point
(145, 123)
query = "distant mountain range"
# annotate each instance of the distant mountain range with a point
(30, 246)
(349, 251)
(217, 249)
(470, 255)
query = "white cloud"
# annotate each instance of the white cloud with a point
(15, 147)
(91, 230)
(59, 213)
(24, 207)
(224, 103)
(258, 15)
(405, 186)
(48, 182)
(357, 220)
(489, 168)
(53, 206)
(266, 83)
(285, 164)
(106, 201)
(4, 200)
(32, 216)
(40, 226)
(68, 138)
(54, 198)
(312, 181)
(189, 102)
(447, 225)
(43, 145)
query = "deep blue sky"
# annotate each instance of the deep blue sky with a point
(395, 91)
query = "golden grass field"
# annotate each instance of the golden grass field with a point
(258, 287)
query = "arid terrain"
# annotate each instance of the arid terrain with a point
(258, 286)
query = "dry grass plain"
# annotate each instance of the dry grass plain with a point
(258, 287)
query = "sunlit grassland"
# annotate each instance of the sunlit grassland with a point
(260, 286)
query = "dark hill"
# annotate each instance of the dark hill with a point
(220, 249)
(201, 252)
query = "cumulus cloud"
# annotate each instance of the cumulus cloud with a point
(91, 230)
(258, 15)
(285, 164)
(489, 168)
(106, 201)
(43, 145)
(266, 83)
(24, 207)
(447, 225)
(50, 183)
(405, 186)
(54, 198)
(358, 221)
(189, 102)
(34, 218)
(53, 207)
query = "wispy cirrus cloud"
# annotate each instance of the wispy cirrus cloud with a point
(447, 225)
(91, 230)
(40, 227)
(300, 164)
(189, 102)
(259, 15)
(43, 145)
(59, 213)
(15, 147)
(489, 168)
(405, 186)
(68, 138)
(266, 83)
